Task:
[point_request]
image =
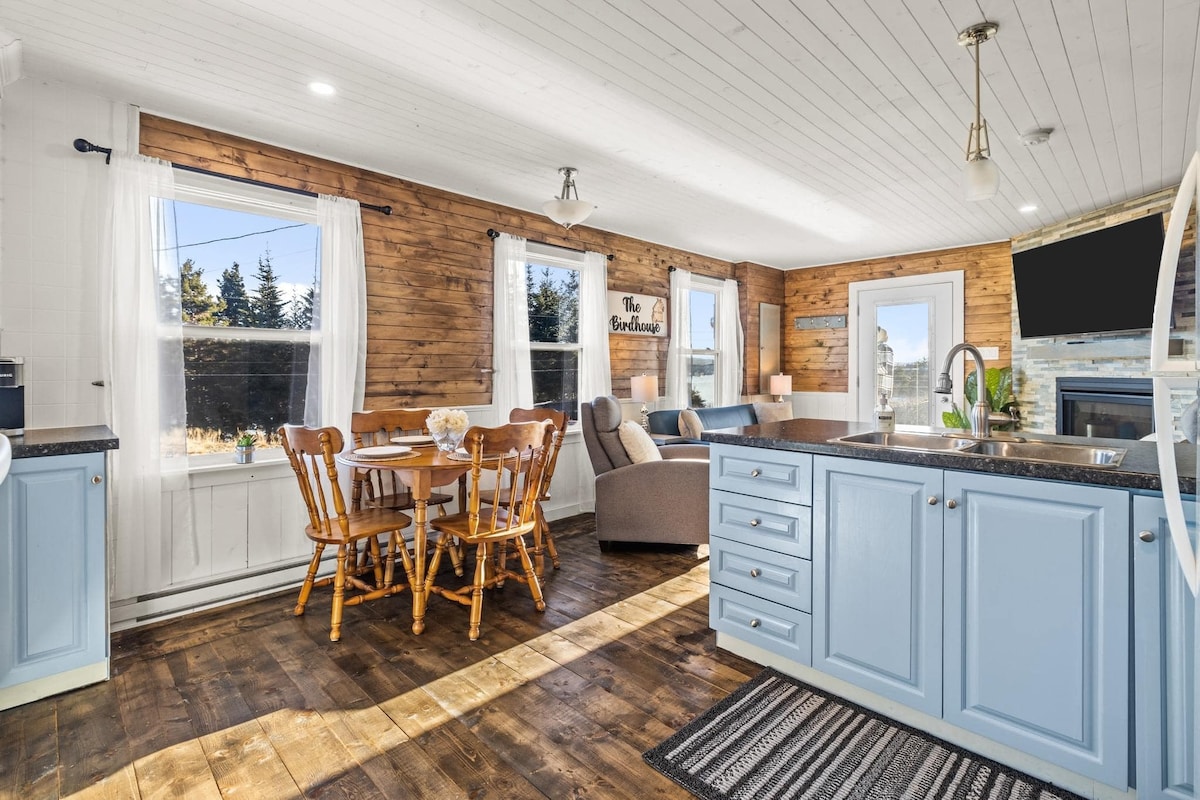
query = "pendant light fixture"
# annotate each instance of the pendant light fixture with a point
(563, 209)
(981, 176)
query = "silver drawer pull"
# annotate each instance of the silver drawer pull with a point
(754, 573)
(97, 480)
(754, 473)
(754, 523)
(754, 623)
(932, 500)
(951, 503)
(1146, 536)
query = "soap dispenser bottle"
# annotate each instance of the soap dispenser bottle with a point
(885, 417)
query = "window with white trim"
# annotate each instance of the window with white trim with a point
(249, 268)
(703, 357)
(552, 278)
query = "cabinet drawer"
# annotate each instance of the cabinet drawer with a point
(783, 579)
(782, 527)
(779, 629)
(760, 472)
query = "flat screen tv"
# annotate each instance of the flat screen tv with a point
(1098, 282)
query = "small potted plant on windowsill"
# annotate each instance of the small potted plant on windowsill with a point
(244, 449)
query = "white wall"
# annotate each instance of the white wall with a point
(49, 204)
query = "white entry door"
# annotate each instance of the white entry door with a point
(911, 322)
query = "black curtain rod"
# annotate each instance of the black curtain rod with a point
(493, 233)
(84, 146)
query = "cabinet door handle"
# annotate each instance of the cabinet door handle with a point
(97, 480)
(951, 504)
(754, 473)
(932, 500)
(754, 523)
(754, 573)
(1146, 536)
(754, 623)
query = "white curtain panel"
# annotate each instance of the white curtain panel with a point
(729, 345)
(681, 340)
(337, 363)
(143, 366)
(595, 373)
(512, 379)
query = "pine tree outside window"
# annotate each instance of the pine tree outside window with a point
(248, 269)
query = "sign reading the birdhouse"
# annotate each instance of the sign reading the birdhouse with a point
(641, 314)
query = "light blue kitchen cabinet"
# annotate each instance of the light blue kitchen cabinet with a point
(1036, 647)
(1164, 632)
(53, 627)
(877, 578)
(760, 548)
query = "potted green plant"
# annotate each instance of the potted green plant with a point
(999, 396)
(244, 449)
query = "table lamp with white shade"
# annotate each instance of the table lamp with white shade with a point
(644, 389)
(781, 385)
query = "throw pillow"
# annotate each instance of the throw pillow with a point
(689, 424)
(772, 412)
(638, 443)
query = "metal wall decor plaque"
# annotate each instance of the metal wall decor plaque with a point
(639, 314)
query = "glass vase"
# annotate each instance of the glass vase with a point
(446, 441)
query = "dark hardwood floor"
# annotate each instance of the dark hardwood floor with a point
(249, 701)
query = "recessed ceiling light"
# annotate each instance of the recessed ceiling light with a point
(321, 88)
(1028, 208)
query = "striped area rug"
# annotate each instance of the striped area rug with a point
(776, 738)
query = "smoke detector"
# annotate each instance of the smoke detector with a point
(1036, 136)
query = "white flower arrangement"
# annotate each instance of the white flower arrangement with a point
(452, 421)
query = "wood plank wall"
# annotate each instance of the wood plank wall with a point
(756, 284)
(429, 267)
(818, 360)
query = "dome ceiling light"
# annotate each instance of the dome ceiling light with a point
(563, 209)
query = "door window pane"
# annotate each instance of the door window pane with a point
(903, 337)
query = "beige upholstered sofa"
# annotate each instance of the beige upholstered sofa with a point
(652, 501)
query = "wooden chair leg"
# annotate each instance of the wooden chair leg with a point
(535, 586)
(339, 595)
(543, 528)
(481, 558)
(306, 587)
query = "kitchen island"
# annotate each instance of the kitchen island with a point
(53, 577)
(986, 600)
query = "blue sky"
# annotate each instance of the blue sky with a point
(908, 330)
(244, 238)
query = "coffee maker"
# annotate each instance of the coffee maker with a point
(12, 395)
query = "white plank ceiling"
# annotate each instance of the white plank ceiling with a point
(784, 132)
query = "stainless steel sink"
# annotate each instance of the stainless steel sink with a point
(1053, 452)
(908, 440)
(1014, 448)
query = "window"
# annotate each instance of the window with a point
(248, 269)
(702, 357)
(552, 289)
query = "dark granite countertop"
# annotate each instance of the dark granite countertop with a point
(63, 441)
(1138, 470)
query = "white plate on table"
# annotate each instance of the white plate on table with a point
(380, 452)
(414, 440)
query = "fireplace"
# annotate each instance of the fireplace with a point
(1115, 408)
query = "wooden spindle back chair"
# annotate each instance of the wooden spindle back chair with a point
(543, 542)
(311, 452)
(515, 455)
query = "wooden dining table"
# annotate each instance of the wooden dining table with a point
(423, 470)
